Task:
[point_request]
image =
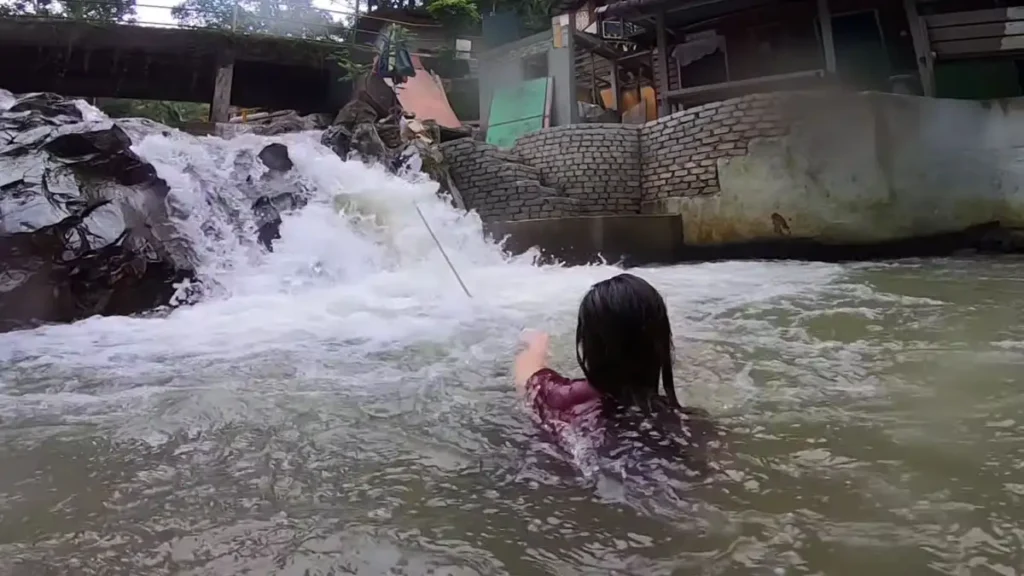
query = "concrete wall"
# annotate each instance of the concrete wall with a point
(681, 151)
(631, 240)
(827, 167)
(866, 168)
(597, 165)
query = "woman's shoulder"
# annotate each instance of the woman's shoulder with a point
(549, 387)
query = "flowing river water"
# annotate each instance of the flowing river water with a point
(340, 407)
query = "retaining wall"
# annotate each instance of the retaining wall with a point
(596, 165)
(827, 167)
(680, 152)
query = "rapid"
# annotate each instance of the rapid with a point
(339, 406)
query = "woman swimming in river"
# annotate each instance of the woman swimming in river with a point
(624, 348)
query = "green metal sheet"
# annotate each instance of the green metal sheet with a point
(518, 110)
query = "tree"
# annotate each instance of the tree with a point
(91, 10)
(279, 17)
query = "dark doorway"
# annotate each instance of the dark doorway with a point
(862, 60)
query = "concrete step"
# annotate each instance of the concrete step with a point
(507, 156)
(562, 206)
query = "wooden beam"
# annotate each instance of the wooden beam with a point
(663, 109)
(980, 46)
(747, 83)
(827, 42)
(613, 79)
(975, 17)
(974, 31)
(922, 48)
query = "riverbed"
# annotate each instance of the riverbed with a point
(340, 407)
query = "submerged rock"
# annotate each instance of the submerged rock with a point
(269, 207)
(83, 222)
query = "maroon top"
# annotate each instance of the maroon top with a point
(559, 401)
(572, 409)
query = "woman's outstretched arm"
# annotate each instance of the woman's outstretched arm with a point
(532, 359)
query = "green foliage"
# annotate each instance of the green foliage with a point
(91, 10)
(279, 17)
(454, 14)
(342, 57)
(175, 114)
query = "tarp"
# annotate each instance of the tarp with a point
(519, 110)
(423, 95)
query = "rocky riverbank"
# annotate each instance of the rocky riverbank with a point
(86, 227)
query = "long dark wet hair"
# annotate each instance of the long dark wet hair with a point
(624, 347)
(624, 343)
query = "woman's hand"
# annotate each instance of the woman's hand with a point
(532, 359)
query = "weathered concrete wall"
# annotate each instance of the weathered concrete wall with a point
(680, 152)
(597, 165)
(831, 168)
(866, 168)
(632, 240)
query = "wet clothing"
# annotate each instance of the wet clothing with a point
(572, 410)
(559, 401)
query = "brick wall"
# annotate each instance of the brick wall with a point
(498, 185)
(614, 168)
(680, 152)
(596, 165)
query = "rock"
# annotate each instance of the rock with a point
(397, 141)
(83, 222)
(268, 208)
(275, 157)
(355, 112)
(367, 143)
(338, 138)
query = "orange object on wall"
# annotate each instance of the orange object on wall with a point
(424, 96)
(629, 99)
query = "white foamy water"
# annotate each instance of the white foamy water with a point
(356, 265)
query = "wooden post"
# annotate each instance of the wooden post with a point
(570, 45)
(220, 106)
(922, 47)
(827, 42)
(663, 87)
(613, 80)
(355, 23)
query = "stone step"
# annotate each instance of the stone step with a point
(507, 156)
(562, 206)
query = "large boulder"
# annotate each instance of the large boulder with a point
(397, 141)
(83, 222)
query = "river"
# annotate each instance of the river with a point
(341, 407)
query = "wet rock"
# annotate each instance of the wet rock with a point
(269, 208)
(275, 157)
(367, 143)
(338, 138)
(397, 141)
(355, 112)
(83, 222)
(268, 211)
